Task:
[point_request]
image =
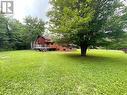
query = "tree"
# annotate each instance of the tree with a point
(4, 39)
(34, 28)
(119, 45)
(16, 34)
(85, 22)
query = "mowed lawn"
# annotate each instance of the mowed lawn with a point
(102, 72)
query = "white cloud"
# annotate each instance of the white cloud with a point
(35, 8)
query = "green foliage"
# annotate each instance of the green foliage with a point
(11, 34)
(88, 22)
(4, 33)
(34, 28)
(119, 45)
(55, 73)
(15, 35)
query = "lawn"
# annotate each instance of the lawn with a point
(102, 72)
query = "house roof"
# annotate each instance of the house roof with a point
(46, 38)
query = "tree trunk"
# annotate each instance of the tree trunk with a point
(83, 50)
(31, 45)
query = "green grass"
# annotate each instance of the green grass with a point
(57, 73)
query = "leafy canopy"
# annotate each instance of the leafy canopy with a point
(88, 22)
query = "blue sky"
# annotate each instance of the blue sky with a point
(34, 8)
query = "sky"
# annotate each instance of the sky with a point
(34, 8)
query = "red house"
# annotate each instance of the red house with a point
(46, 44)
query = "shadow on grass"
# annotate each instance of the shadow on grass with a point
(89, 58)
(73, 55)
(98, 59)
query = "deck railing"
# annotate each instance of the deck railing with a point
(40, 47)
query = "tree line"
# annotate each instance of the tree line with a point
(17, 36)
